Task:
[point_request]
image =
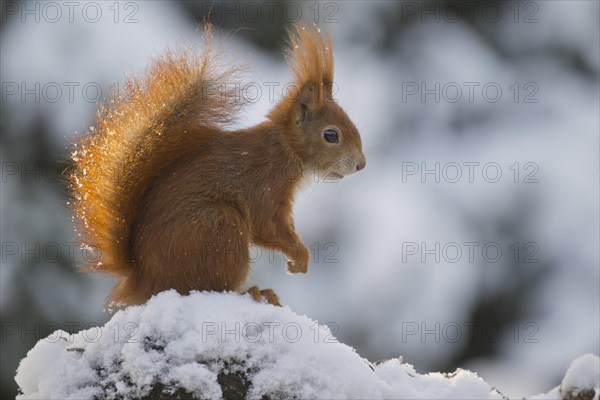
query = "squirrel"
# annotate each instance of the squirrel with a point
(171, 199)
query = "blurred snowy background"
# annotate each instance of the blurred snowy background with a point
(471, 238)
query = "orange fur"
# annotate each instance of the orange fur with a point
(171, 199)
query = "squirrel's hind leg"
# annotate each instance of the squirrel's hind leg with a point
(201, 249)
(223, 240)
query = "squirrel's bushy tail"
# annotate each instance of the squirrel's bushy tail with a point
(135, 138)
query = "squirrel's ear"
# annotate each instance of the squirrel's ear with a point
(308, 100)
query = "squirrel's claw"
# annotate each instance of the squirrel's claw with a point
(266, 294)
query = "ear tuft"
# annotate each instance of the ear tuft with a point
(311, 58)
(311, 61)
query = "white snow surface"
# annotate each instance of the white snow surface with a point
(186, 341)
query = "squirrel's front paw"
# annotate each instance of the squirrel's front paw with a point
(299, 265)
(294, 267)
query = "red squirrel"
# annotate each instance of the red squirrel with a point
(171, 199)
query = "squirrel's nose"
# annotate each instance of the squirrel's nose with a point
(361, 165)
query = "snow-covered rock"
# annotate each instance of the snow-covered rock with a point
(224, 345)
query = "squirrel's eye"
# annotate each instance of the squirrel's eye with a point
(331, 136)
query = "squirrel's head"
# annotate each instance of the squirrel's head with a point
(318, 130)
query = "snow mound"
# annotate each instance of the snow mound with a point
(225, 345)
(583, 375)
